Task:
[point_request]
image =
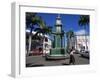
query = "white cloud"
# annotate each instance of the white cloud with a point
(27, 30)
(80, 32)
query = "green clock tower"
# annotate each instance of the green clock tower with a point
(58, 33)
(58, 50)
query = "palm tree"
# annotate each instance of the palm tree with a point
(45, 30)
(84, 21)
(69, 35)
(31, 20)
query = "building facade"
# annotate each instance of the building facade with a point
(82, 42)
(39, 46)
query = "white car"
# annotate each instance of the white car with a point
(85, 53)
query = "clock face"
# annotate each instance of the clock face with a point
(58, 22)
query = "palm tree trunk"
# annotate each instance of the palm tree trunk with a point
(30, 41)
(86, 38)
(44, 48)
(68, 42)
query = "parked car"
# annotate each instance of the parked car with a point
(77, 52)
(85, 53)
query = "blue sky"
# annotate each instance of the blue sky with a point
(69, 21)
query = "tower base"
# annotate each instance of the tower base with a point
(57, 54)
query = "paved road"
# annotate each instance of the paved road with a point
(80, 60)
(33, 61)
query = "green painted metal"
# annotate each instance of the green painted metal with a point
(58, 49)
(58, 41)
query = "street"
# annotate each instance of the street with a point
(37, 61)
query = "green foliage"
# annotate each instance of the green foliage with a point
(83, 20)
(33, 19)
(70, 34)
(37, 20)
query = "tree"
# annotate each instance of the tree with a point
(84, 21)
(45, 30)
(31, 20)
(70, 35)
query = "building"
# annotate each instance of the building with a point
(47, 44)
(39, 46)
(82, 42)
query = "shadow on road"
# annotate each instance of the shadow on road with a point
(83, 57)
(65, 64)
(34, 65)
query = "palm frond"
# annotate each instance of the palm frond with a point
(83, 20)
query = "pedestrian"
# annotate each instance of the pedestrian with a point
(72, 58)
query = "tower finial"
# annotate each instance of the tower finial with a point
(58, 15)
(58, 20)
